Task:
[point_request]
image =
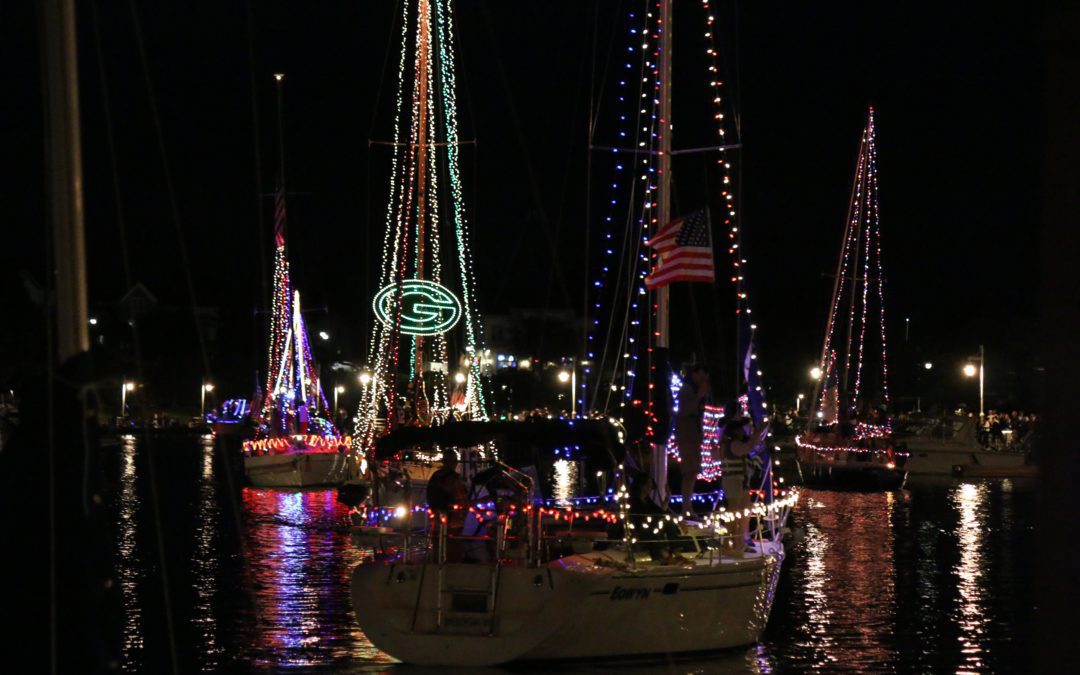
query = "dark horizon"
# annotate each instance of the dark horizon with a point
(956, 93)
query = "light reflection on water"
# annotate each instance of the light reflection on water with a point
(845, 584)
(205, 562)
(128, 566)
(302, 561)
(929, 579)
(970, 614)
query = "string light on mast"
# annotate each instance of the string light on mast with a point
(417, 310)
(859, 286)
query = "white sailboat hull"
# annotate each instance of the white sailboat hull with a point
(572, 609)
(296, 469)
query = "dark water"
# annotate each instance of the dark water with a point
(932, 579)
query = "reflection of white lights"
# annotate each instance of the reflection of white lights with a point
(969, 500)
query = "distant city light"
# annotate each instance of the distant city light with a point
(324, 335)
(928, 365)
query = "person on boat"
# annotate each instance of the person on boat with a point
(448, 497)
(302, 418)
(688, 431)
(739, 440)
(660, 537)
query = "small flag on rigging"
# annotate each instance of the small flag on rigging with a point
(279, 216)
(684, 248)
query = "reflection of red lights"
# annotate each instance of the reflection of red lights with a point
(300, 563)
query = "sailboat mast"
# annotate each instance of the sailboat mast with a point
(423, 67)
(662, 328)
(64, 160)
(663, 216)
(857, 199)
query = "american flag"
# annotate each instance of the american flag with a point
(279, 216)
(685, 251)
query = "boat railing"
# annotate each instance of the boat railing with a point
(532, 535)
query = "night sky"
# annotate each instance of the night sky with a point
(956, 87)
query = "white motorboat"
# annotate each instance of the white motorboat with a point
(949, 446)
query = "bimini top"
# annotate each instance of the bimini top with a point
(595, 439)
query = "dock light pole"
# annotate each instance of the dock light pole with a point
(970, 371)
(338, 390)
(124, 389)
(207, 387)
(571, 377)
(798, 402)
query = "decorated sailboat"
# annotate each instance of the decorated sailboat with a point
(296, 443)
(521, 573)
(849, 436)
(424, 350)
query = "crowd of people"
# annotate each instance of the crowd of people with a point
(1006, 430)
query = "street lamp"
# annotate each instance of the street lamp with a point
(798, 402)
(207, 387)
(339, 389)
(970, 371)
(927, 365)
(815, 373)
(364, 378)
(124, 389)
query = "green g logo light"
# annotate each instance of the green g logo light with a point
(427, 308)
